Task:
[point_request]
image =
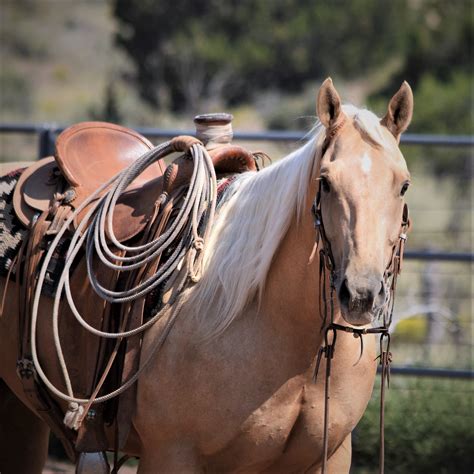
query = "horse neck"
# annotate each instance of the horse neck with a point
(291, 296)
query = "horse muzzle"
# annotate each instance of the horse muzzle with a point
(359, 298)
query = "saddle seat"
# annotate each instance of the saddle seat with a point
(88, 154)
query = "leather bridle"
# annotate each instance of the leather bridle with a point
(326, 307)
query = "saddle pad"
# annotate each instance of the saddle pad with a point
(12, 231)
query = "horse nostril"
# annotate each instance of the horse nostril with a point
(380, 300)
(344, 294)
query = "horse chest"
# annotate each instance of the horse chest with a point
(285, 432)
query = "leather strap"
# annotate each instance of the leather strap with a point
(34, 252)
(45, 406)
(126, 403)
(39, 398)
(385, 361)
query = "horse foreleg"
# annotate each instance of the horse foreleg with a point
(23, 436)
(179, 457)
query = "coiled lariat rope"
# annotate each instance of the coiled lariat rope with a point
(186, 235)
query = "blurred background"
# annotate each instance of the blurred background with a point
(157, 63)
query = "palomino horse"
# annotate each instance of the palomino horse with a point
(232, 388)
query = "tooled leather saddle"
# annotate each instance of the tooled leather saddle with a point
(90, 153)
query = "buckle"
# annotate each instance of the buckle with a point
(25, 368)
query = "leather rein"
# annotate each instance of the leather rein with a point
(326, 302)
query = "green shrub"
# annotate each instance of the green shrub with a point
(412, 329)
(428, 429)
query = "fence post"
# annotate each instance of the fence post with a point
(45, 142)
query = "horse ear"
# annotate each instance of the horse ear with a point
(328, 104)
(400, 111)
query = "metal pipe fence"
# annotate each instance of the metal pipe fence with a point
(430, 372)
(47, 133)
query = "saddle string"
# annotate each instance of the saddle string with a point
(328, 349)
(263, 158)
(13, 263)
(203, 195)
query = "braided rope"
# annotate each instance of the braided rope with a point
(196, 215)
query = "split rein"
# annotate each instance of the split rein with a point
(326, 263)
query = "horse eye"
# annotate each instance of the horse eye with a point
(404, 189)
(325, 184)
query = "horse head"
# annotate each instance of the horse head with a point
(363, 178)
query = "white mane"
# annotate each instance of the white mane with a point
(251, 222)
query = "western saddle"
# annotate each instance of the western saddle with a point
(87, 156)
